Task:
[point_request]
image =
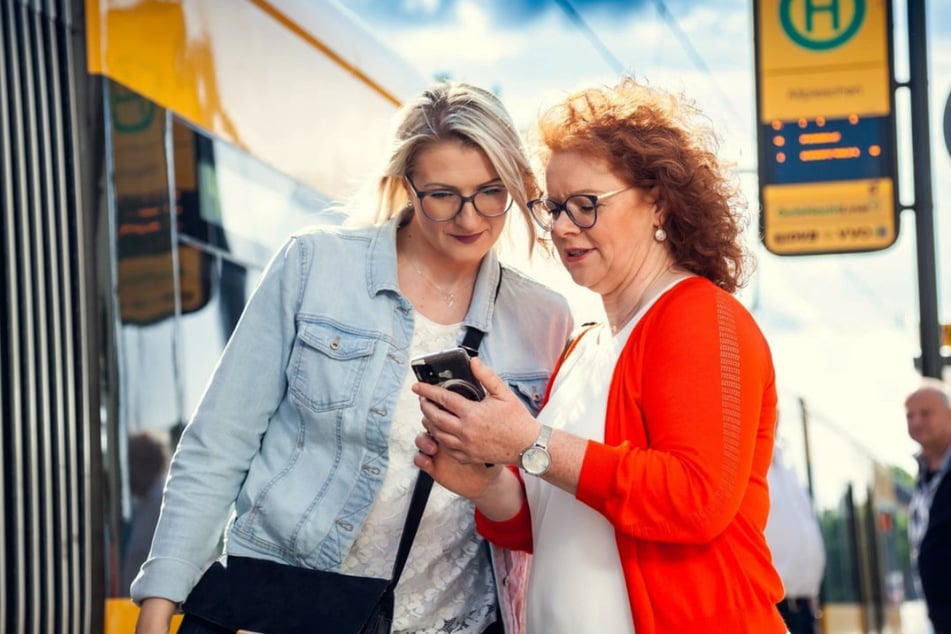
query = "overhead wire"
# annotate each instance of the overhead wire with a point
(619, 67)
(692, 52)
(592, 37)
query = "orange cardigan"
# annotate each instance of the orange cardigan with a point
(681, 474)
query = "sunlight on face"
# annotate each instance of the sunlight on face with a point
(453, 167)
(929, 420)
(608, 255)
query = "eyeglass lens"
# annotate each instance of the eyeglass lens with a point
(445, 204)
(581, 209)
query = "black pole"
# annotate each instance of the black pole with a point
(931, 361)
(804, 413)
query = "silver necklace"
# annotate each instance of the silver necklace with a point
(449, 298)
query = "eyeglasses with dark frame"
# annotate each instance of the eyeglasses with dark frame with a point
(582, 209)
(442, 205)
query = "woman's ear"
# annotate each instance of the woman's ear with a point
(410, 194)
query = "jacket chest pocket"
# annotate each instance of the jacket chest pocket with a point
(327, 366)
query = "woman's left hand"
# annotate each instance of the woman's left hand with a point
(471, 480)
(492, 431)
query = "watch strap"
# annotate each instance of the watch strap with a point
(543, 437)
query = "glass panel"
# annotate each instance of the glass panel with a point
(143, 241)
(147, 456)
(144, 403)
(246, 207)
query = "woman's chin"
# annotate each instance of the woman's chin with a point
(579, 278)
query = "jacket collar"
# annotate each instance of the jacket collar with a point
(382, 274)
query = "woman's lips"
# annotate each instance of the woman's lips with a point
(468, 239)
(575, 254)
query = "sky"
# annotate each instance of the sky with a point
(843, 328)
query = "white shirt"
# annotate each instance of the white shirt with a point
(793, 533)
(577, 582)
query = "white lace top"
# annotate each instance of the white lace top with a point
(447, 583)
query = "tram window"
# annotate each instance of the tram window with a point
(147, 454)
(247, 208)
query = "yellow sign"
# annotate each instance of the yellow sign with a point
(823, 59)
(827, 160)
(825, 217)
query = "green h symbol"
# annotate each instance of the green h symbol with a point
(811, 8)
(805, 36)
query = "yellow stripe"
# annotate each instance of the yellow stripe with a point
(292, 26)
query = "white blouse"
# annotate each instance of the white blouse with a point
(577, 583)
(447, 583)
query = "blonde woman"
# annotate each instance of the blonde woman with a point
(307, 426)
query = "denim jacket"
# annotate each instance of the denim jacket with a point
(293, 427)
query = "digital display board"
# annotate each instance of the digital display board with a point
(826, 130)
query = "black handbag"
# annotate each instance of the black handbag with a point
(266, 596)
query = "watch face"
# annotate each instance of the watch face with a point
(535, 461)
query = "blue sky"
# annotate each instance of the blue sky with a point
(843, 329)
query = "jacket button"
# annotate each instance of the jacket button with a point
(335, 344)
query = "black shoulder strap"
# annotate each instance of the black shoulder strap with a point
(473, 337)
(472, 340)
(424, 482)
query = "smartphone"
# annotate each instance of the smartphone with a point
(449, 369)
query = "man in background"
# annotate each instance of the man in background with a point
(928, 414)
(795, 540)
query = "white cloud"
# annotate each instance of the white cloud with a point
(450, 47)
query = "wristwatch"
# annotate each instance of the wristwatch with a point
(536, 460)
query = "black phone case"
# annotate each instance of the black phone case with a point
(450, 369)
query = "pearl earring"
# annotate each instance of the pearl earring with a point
(659, 234)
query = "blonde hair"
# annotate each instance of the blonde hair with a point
(466, 113)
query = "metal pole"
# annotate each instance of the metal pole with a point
(805, 443)
(931, 361)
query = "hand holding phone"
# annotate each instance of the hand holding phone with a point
(449, 369)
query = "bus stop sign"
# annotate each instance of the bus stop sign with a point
(825, 126)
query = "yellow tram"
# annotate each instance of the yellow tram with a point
(155, 153)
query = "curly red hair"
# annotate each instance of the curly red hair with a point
(662, 142)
